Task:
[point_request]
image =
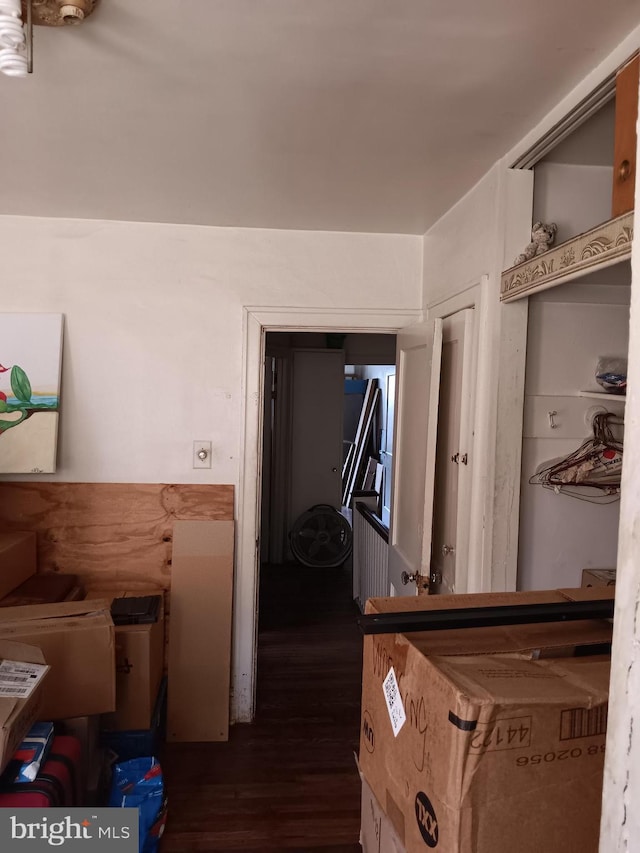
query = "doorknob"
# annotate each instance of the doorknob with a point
(448, 549)
(334, 469)
(435, 578)
(406, 578)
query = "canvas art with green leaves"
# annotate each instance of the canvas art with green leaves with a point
(30, 369)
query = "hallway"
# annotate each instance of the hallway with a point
(289, 781)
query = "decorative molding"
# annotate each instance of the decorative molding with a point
(600, 247)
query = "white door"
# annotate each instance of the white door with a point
(433, 424)
(316, 433)
(449, 550)
(417, 378)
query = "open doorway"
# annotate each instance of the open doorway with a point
(258, 322)
(327, 430)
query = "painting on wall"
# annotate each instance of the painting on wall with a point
(30, 369)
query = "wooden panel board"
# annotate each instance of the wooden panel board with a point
(103, 532)
(624, 158)
(200, 648)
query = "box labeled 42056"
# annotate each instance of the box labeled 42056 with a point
(488, 740)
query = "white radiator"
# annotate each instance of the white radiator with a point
(370, 556)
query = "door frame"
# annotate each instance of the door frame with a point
(257, 321)
(478, 574)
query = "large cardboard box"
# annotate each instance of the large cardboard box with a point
(17, 559)
(503, 744)
(598, 577)
(139, 666)
(17, 714)
(77, 640)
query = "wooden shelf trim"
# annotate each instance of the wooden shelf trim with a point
(600, 247)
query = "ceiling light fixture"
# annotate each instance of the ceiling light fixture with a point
(17, 18)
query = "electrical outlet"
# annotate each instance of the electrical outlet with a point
(202, 454)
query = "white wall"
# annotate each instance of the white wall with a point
(560, 535)
(153, 327)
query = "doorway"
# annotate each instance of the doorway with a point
(315, 405)
(257, 322)
(327, 430)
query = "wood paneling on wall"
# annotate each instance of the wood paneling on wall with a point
(109, 532)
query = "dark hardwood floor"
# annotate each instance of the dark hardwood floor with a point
(287, 782)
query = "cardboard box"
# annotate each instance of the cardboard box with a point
(43, 588)
(77, 640)
(377, 834)
(503, 744)
(139, 669)
(18, 715)
(598, 577)
(17, 560)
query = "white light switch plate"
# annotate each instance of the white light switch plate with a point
(202, 454)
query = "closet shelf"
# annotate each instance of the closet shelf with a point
(601, 395)
(602, 246)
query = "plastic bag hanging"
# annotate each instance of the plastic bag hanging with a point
(593, 472)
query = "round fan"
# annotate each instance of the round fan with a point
(321, 537)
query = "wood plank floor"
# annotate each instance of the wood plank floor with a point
(288, 782)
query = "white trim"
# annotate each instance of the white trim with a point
(477, 575)
(583, 111)
(480, 547)
(321, 319)
(256, 321)
(431, 448)
(602, 246)
(465, 469)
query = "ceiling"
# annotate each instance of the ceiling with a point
(346, 115)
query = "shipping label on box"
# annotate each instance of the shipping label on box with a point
(20, 704)
(500, 751)
(19, 678)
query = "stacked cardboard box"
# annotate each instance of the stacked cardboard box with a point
(487, 740)
(139, 650)
(77, 639)
(598, 577)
